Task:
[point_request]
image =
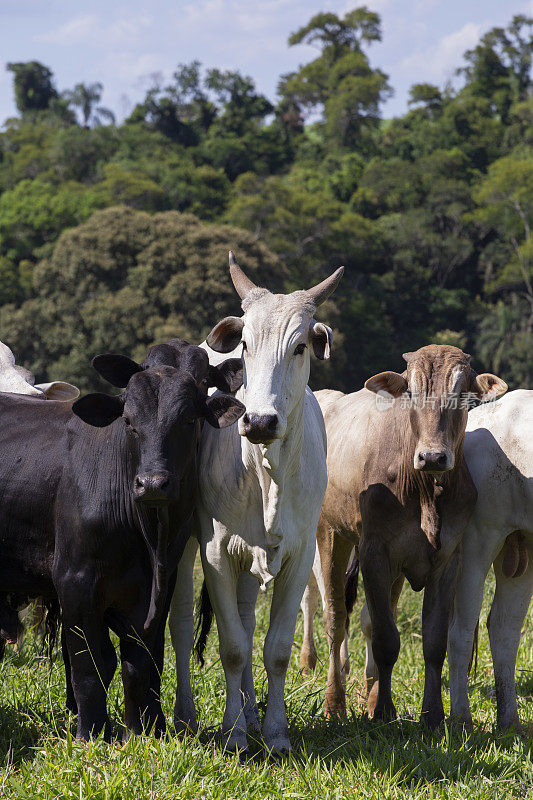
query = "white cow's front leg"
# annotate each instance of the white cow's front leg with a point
(289, 586)
(221, 575)
(509, 608)
(181, 624)
(476, 562)
(247, 589)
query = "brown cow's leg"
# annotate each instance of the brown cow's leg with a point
(378, 582)
(370, 677)
(438, 599)
(334, 556)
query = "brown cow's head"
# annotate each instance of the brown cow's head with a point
(438, 387)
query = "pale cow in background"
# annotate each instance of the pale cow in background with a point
(19, 380)
(499, 452)
(261, 488)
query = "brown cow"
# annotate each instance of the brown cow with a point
(400, 491)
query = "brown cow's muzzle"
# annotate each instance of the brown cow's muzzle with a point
(153, 488)
(433, 461)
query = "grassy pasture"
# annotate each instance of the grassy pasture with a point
(351, 759)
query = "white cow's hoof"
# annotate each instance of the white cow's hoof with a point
(278, 747)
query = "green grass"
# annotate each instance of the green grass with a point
(351, 759)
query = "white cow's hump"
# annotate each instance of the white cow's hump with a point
(499, 453)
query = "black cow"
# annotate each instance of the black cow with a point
(99, 516)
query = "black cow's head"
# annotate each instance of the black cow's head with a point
(161, 408)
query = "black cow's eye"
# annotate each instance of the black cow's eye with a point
(299, 349)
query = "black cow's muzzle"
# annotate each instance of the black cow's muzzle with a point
(153, 488)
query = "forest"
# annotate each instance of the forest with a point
(114, 236)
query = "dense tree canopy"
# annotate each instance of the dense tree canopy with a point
(114, 236)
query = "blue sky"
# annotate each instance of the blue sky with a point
(124, 44)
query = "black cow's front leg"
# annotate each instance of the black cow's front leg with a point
(438, 599)
(89, 671)
(71, 704)
(142, 705)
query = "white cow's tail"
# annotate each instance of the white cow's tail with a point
(204, 610)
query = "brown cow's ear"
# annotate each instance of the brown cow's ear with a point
(115, 368)
(226, 376)
(223, 410)
(98, 409)
(488, 386)
(226, 335)
(321, 337)
(391, 382)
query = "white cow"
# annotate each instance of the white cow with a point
(261, 487)
(499, 452)
(19, 380)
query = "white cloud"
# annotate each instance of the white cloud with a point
(439, 63)
(89, 29)
(75, 31)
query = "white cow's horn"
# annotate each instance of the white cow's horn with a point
(243, 285)
(322, 291)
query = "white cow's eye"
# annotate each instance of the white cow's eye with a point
(299, 349)
(244, 347)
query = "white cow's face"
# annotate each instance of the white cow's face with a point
(277, 332)
(275, 343)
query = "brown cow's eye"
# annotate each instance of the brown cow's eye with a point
(299, 349)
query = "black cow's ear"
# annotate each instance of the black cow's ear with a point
(226, 376)
(115, 368)
(226, 335)
(98, 409)
(222, 410)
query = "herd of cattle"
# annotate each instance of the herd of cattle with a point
(104, 500)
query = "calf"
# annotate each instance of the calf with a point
(400, 490)
(261, 487)
(96, 508)
(499, 453)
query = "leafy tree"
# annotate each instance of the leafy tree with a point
(124, 280)
(340, 82)
(34, 86)
(85, 97)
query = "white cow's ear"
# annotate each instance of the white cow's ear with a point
(59, 390)
(488, 386)
(390, 382)
(321, 337)
(226, 335)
